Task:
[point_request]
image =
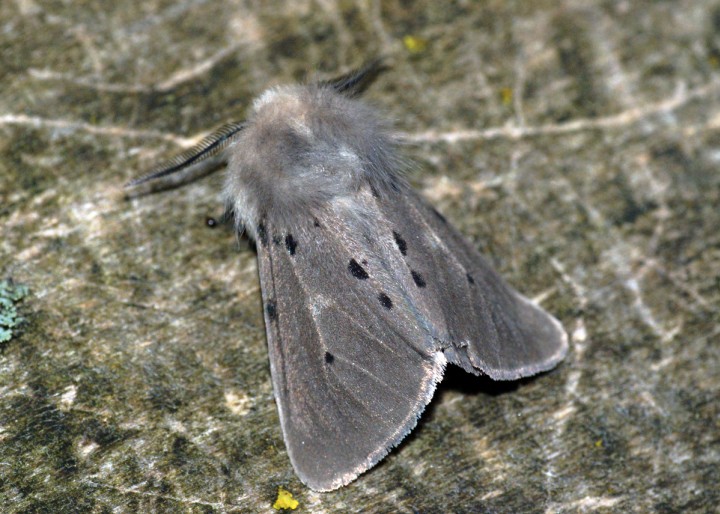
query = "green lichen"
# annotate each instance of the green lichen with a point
(10, 294)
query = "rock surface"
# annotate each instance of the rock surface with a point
(577, 143)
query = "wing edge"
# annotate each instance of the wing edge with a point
(426, 393)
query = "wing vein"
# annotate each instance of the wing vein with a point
(466, 286)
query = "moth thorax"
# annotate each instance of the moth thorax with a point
(304, 147)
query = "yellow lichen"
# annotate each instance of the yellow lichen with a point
(414, 44)
(285, 500)
(506, 94)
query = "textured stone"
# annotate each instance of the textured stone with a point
(576, 142)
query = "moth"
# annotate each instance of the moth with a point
(368, 291)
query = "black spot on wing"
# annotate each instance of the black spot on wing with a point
(316, 222)
(470, 279)
(400, 242)
(271, 310)
(418, 278)
(385, 301)
(290, 244)
(329, 357)
(262, 234)
(357, 270)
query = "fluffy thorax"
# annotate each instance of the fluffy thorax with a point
(305, 149)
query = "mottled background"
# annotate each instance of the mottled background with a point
(576, 142)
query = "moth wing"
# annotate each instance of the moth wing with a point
(352, 368)
(487, 325)
(362, 317)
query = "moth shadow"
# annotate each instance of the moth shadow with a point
(458, 380)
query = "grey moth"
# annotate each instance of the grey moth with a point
(368, 291)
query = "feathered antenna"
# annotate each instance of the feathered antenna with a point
(208, 147)
(355, 82)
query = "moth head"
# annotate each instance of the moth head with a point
(304, 149)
